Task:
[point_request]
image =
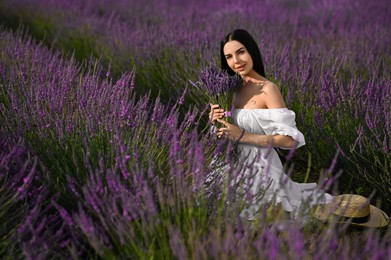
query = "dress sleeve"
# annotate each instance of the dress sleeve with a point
(282, 122)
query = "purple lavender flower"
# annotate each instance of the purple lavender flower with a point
(217, 86)
(217, 82)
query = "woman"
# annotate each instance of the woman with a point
(261, 122)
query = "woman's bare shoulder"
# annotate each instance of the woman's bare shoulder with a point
(270, 87)
(274, 98)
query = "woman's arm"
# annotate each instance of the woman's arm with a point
(273, 99)
(281, 141)
(234, 133)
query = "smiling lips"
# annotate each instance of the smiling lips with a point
(240, 68)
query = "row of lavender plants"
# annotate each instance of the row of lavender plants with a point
(331, 64)
(89, 171)
(94, 166)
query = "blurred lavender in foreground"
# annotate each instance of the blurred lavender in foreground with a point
(127, 173)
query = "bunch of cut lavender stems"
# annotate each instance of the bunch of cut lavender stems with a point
(218, 87)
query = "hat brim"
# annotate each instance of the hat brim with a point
(377, 217)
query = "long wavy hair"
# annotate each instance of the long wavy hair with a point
(248, 41)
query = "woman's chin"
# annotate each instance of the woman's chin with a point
(241, 73)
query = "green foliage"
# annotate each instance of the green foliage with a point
(70, 155)
(163, 71)
(79, 42)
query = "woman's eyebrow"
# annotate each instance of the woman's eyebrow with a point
(241, 48)
(228, 54)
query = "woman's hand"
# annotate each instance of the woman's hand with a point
(215, 113)
(229, 131)
(234, 133)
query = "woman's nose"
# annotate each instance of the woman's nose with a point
(236, 59)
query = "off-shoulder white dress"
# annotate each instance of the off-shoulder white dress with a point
(262, 168)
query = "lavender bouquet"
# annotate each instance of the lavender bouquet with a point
(218, 87)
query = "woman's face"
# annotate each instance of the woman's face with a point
(238, 58)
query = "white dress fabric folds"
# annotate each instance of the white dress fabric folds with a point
(262, 170)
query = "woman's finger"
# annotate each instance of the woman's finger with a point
(214, 111)
(213, 108)
(223, 122)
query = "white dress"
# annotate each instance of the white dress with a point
(263, 172)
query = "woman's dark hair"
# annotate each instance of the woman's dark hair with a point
(248, 41)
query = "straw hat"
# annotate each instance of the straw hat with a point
(354, 209)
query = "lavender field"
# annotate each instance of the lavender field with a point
(104, 148)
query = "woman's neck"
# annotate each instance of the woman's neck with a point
(253, 81)
(253, 78)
